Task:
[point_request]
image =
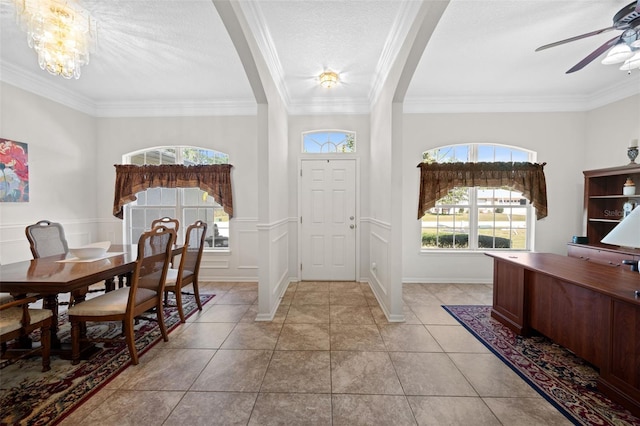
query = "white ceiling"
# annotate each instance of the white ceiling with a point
(175, 57)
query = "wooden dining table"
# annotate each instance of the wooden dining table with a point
(54, 275)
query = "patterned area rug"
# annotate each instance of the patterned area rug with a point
(563, 379)
(28, 396)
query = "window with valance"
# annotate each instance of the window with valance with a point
(437, 179)
(215, 179)
(479, 197)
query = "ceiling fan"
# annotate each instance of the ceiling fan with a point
(627, 44)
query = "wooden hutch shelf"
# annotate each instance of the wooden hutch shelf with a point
(603, 209)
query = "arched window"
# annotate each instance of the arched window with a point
(328, 141)
(477, 218)
(185, 204)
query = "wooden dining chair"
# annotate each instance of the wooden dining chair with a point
(46, 239)
(167, 221)
(5, 298)
(127, 303)
(172, 223)
(188, 270)
(17, 321)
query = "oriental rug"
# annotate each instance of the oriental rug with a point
(30, 397)
(563, 379)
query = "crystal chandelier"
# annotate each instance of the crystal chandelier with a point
(61, 32)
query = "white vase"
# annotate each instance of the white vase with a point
(628, 190)
(629, 187)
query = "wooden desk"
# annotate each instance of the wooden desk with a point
(589, 308)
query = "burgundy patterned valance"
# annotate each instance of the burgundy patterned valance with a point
(214, 179)
(436, 179)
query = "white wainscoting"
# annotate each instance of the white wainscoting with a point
(379, 281)
(274, 281)
(240, 262)
(248, 248)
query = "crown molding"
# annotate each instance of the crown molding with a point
(260, 30)
(38, 84)
(321, 106)
(477, 104)
(179, 108)
(41, 86)
(393, 44)
(629, 86)
(474, 104)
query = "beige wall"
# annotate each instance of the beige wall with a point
(559, 140)
(609, 130)
(62, 162)
(71, 158)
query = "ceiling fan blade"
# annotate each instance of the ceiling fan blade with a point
(593, 55)
(578, 37)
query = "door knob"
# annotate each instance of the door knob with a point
(351, 217)
(352, 226)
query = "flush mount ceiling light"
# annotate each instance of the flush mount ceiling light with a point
(328, 79)
(61, 32)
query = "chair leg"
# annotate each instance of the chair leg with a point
(179, 304)
(160, 314)
(131, 343)
(196, 292)
(45, 342)
(75, 341)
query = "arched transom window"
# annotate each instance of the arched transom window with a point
(328, 141)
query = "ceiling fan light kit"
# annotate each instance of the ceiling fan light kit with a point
(631, 63)
(618, 54)
(621, 49)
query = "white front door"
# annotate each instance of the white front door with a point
(328, 220)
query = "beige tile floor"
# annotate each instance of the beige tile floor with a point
(328, 358)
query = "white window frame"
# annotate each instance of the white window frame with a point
(474, 207)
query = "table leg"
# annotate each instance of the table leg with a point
(51, 302)
(124, 279)
(87, 349)
(109, 284)
(80, 296)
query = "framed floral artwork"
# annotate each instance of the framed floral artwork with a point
(14, 172)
